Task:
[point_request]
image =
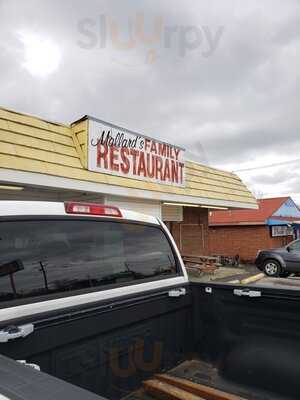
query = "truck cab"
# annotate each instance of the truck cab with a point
(94, 300)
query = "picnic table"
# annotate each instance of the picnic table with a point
(200, 264)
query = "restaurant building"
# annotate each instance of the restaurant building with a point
(243, 232)
(95, 161)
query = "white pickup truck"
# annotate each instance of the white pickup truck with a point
(97, 300)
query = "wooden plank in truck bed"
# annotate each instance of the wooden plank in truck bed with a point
(203, 391)
(164, 391)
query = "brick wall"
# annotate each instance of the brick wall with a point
(243, 240)
(192, 235)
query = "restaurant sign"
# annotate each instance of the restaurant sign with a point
(116, 151)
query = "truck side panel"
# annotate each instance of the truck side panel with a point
(110, 348)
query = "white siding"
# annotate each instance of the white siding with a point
(152, 208)
(39, 194)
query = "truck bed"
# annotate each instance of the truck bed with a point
(248, 347)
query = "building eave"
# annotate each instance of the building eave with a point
(50, 181)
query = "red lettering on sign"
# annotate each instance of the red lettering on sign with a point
(113, 158)
(158, 172)
(153, 148)
(142, 166)
(174, 171)
(140, 157)
(150, 172)
(162, 149)
(167, 170)
(102, 152)
(177, 152)
(172, 153)
(125, 165)
(181, 165)
(147, 144)
(134, 154)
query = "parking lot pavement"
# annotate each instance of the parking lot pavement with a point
(227, 274)
(290, 283)
(248, 275)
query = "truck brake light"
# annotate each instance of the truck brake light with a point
(92, 209)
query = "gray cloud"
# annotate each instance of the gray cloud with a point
(238, 107)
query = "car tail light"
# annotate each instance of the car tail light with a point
(92, 209)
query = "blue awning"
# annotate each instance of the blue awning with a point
(276, 222)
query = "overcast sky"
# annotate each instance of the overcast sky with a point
(220, 78)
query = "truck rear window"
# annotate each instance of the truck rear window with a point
(64, 256)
